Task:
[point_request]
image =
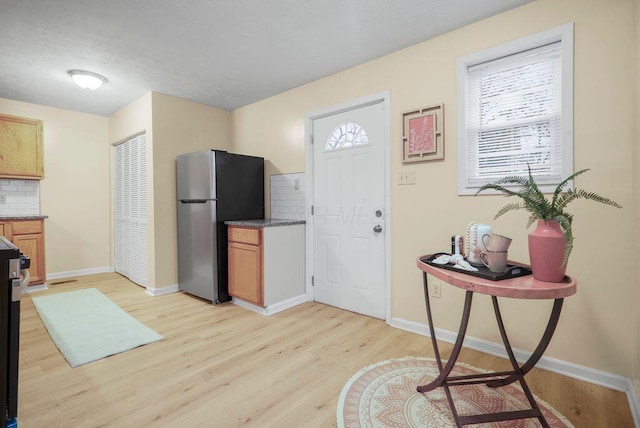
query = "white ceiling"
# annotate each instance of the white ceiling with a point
(223, 53)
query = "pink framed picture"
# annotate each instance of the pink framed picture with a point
(423, 134)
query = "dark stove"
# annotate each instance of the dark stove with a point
(10, 293)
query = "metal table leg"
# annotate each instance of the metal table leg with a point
(519, 372)
(504, 378)
(441, 380)
(538, 352)
(444, 371)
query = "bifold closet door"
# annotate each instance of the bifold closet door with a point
(130, 209)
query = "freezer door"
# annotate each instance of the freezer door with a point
(240, 187)
(195, 176)
(197, 249)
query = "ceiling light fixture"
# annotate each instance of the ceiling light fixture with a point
(87, 79)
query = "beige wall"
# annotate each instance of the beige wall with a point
(636, 188)
(179, 126)
(277, 136)
(597, 328)
(75, 190)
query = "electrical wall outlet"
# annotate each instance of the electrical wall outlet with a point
(435, 289)
(3, 199)
(407, 177)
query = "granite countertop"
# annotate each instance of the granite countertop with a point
(23, 217)
(264, 222)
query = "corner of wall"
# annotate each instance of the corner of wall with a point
(636, 183)
(179, 126)
(132, 119)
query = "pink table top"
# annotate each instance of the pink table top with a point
(523, 287)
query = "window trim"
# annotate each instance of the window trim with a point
(562, 33)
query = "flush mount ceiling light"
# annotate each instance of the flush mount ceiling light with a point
(87, 79)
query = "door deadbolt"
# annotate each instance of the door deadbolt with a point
(378, 213)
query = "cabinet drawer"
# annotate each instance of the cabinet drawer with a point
(26, 227)
(246, 235)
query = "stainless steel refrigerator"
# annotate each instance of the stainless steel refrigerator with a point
(212, 187)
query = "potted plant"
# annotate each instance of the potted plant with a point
(550, 244)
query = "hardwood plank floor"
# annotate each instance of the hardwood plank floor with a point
(225, 366)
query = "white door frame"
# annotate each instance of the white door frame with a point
(383, 97)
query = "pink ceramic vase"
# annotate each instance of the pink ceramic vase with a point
(547, 245)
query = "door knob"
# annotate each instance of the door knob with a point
(377, 228)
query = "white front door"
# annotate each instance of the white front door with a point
(349, 210)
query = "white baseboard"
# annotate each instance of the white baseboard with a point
(161, 291)
(598, 377)
(634, 403)
(286, 304)
(81, 272)
(35, 288)
(106, 269)
(271, 309)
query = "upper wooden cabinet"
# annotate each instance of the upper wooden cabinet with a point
(21, 148)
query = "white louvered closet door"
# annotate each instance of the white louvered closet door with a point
(130, 194)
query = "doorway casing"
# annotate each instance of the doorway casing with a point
(384, 98)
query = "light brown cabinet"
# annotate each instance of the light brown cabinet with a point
(21, 148)
(28, 236)
(245, 264)
(266, 265)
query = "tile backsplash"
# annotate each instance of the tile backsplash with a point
(19, 197)
(287, 196)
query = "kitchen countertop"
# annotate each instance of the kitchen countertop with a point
(264, 222)
(23, 217)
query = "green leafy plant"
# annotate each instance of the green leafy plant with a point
(539, 206)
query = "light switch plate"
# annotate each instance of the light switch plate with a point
(407, 177)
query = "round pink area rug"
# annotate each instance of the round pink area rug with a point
(384, 395)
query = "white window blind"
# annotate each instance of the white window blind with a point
(516, 113)
(130, 206)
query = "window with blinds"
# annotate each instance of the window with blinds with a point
(515, 111)
(130, 209)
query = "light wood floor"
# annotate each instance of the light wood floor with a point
(225, 366)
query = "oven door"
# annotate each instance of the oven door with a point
(14, 346)
(10, 293)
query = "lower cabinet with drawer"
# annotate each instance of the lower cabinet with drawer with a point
(245, 264)
(28, 236)
(266, 266)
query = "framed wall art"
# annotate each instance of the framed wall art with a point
(423, 134)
